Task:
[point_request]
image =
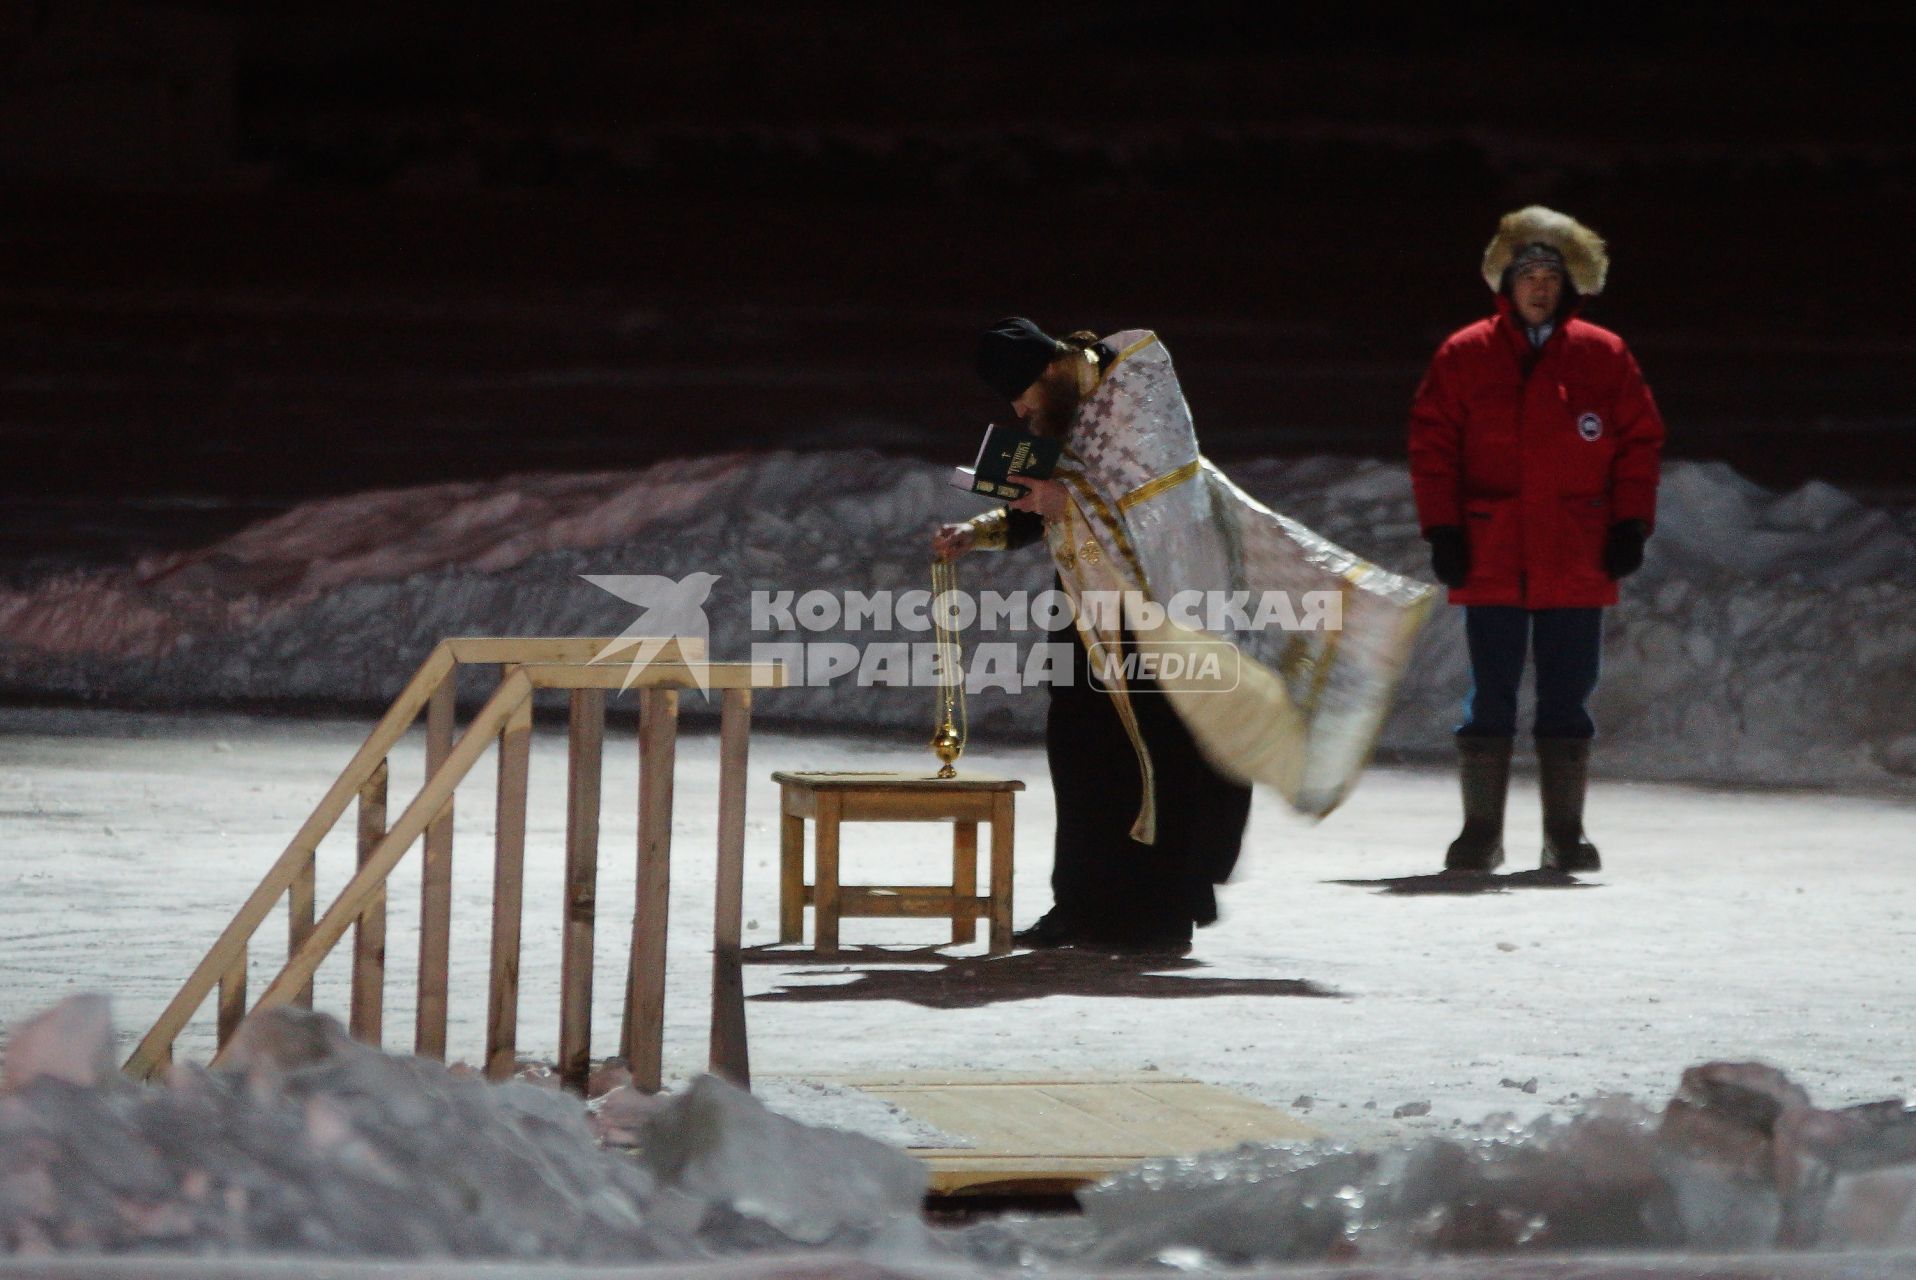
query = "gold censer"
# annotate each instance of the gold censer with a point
(948, 739)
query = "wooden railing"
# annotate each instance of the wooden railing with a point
(529, 663)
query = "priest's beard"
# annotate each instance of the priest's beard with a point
(1058, 407)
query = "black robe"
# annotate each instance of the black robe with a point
(1111, 887)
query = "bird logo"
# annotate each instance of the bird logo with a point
(668, 610)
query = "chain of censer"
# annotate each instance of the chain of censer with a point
(950, 651)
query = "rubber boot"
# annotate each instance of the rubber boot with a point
(1484, 765)
(1563, 774)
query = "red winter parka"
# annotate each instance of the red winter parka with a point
(1536, 454)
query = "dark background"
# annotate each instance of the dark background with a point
(253, 254)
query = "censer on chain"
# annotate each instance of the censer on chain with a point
(948, 740)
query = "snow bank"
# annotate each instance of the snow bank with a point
(313, 1143)
(1769, 638)
(310, 1144)
(1738, 1161)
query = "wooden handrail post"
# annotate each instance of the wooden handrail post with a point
(508, 894)
(642, 1042)
(367, 1019)
(232, 998)
(299, 921)
(435, 884)
(727, 1053)
(584, 771)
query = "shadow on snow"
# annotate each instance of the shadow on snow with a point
(1469, 882)
(938, 981)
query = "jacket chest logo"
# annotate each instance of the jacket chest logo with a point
(1590, 426)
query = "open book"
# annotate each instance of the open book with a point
(1005, 456)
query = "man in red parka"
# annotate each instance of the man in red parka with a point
(1534, 452)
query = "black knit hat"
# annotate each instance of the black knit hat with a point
(1537, 255)
(1012, 354)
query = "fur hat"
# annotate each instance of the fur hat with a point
(1583, 252)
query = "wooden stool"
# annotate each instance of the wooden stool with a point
(834, 798)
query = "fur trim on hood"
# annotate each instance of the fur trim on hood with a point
(1582, 249)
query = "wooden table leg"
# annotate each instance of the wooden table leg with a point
(728, 1056)
(825, 885)
(791, 874)
(1003, 829)
(964, 882)
(643, 1041)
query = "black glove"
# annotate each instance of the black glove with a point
(1449, 553)
(1623, 548)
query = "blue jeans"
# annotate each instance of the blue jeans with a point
(1568, 644)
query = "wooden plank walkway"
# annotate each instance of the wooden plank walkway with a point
(1050, 1136)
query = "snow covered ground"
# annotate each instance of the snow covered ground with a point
(1729, 924)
